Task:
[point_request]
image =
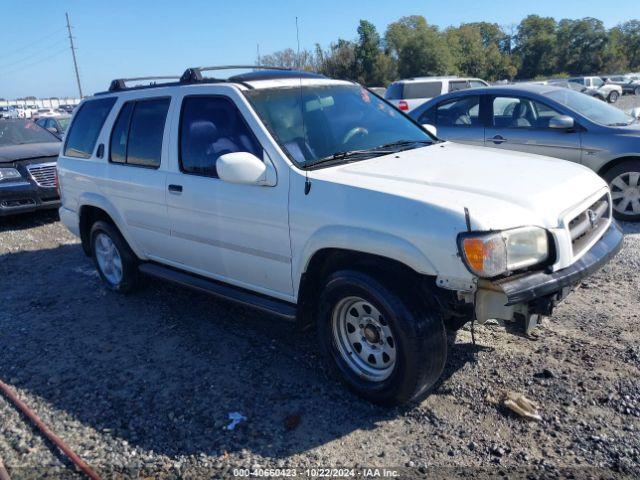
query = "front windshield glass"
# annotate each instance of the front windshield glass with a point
(20, 132)
(312, 123)
(595, 110)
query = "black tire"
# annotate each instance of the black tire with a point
(628, 166)
(637, 91)
(613, 97)
(130, 275)
(418, 331)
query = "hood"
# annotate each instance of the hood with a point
(500, 188)
(11, 153)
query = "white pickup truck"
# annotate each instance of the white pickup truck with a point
(317, 201)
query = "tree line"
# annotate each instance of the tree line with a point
(410, 47)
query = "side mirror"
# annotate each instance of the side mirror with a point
(561, 122)
(242, 168)
(431, 129)
(53, 130)
(635, 112)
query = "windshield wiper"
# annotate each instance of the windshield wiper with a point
(619, 124)
(385, 149)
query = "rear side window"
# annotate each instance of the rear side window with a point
(137, 135)
(394, 92)
(210, 127)
(82, 136)
(460, 85)
(422, 90)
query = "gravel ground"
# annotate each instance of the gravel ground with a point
(143, 384)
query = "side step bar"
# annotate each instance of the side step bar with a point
(273, 306)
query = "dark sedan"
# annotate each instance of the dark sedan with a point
(546, 120)
(28, 155)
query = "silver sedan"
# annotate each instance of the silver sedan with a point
(546, 120)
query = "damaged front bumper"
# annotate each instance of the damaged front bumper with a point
(533, 294)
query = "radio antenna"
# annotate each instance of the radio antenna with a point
(307, 182)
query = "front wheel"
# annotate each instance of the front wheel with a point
(613, 97)
(387, 348)
(624, 182)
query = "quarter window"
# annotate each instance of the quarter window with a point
(211, 127)
(83, 134)
(137, 135)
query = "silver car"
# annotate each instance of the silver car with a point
(547, 120)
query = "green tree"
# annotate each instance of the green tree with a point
(631, 35)
(338, 61)
(581, 45)
(420, 49)
(366, 53)
(536, 43)
(615, 52)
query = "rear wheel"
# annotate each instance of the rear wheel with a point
(387, 348)
(613, 97)
(624, 182)
(115, 261)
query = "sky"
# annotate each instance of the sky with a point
(131, 38)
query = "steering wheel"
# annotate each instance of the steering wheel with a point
(353, 132)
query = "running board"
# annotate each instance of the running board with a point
(274, 306)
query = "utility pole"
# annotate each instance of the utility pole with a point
(258, 52)
(73, 54)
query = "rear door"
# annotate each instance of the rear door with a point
(521, 123)
(137, 172)
(457, 120)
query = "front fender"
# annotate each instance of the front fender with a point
(362, 240)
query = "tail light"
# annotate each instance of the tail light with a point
(402, 105)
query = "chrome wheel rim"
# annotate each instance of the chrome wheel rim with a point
(108, 258)
(364, 339)
(625, 193)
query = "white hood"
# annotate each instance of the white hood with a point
(500, 188)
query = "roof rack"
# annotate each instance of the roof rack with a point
(194, 74)
(120, 84)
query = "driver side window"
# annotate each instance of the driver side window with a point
(517, 112)
(211, 127)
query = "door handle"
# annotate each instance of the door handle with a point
(175, 188)
(498, 139)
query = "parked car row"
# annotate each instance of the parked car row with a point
(317, 201)
(547, 120)
(31, 111)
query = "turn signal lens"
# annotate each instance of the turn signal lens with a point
(491, 254)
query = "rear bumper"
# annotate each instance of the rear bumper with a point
(534, 286)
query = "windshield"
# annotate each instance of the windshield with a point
(333, 119)
(595, 110)
(19, 132)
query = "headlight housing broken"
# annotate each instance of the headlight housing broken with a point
(490, 254)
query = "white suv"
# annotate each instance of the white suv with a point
(317, 201)
(413, 92)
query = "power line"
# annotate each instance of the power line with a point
(35, 54)
(38, 62)
(29, 45)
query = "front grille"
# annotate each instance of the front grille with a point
(589, 224)
(44, 174)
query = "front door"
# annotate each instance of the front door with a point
(519, 123)
(235, 233)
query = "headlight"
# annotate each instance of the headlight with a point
(491, 254)
(7, 174)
